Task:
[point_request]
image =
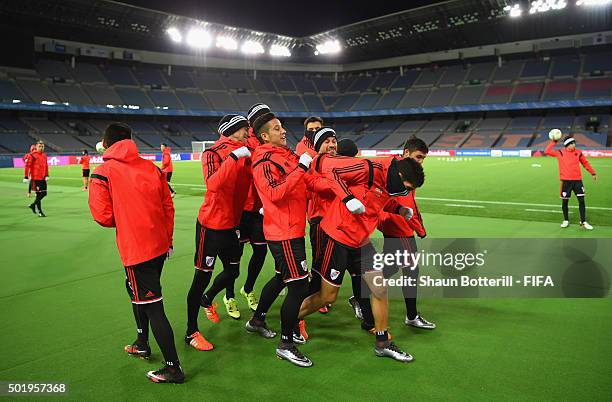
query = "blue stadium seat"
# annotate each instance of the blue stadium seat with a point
(405, 81)
(528, 92)
(366, 102)
(163, 98)
(390, 100)
(120, 75)
(601, 61)
(595, 88)
(515, 139)
(509, 71)
(530, 122)
(324, 84)
(454, 75)
(429, 77)
(150, 76)
(180, 79)
(480, 71)
(384, 80)
(245, 101)
(49, 68)
(284, 84)
(295, 103)
(10, 91)
(134, 96)
(37, 91)
(361, 84)
(274, 101)
(414, 98)
(469, 95)
(303, 85)
(560, 90)
(314, 103)
(345, 102)
(16, 142)
(536, 68)
(222, 100)
(209, 81)
(71, 93)
(88, 73)
(440, 96)
(193, 100)
(481, 140)
(237, 81)
(562, 122)
(565, 66)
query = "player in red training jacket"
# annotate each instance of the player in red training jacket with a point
(306, 144)
(39, 174)
(346, 237)
(167, 165)
(131, 194)
(399, 236)
(27, 163)
(251, 231)
(84, 162)
(570, 159)
(282, 185)
(226, 167)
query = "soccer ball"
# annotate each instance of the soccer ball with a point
(100, 148)
(554, 134)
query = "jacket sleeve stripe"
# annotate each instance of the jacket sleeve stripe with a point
(99, 177)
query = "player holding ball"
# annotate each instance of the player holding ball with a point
(569, 159)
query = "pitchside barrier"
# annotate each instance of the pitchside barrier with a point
(61, 160)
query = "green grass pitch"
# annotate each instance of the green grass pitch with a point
(66, 315)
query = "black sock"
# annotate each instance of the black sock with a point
(582, 209)
(230, 273)
(162, 331)
(296, 293)
(410, 292)
(170, 187)
(382, 336)
(565, 209)
(269, 293)
(255, 265)
(230, 288)
(142, 323)
(200, 281)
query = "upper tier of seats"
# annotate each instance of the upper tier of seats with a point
(564, 77)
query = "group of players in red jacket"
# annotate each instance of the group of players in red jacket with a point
(259, 191)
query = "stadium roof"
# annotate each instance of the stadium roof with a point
(448, 25)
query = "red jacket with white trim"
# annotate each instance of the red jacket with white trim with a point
(305, 145)
(365, 180)
(393, 225)
(131, 194)
(280, 183)
(252, 203)
(569, 162)
(166, 161)
(228, 180)
(39, 169)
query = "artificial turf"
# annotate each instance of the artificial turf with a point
(66, 314)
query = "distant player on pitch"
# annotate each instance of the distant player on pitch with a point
(569, 159)
(85, 162)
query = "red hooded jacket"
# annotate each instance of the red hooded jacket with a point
(305, 145)
(252, 203)
(228, 180)
(368, 182)
(569, 162)
(131, 194)
(279, 180)
(393, 225)
(27, 161)
(39, 169)
(166, 160)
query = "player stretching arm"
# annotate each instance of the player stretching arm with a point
(569, 159)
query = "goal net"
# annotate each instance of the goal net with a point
(197, 147)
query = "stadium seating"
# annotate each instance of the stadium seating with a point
(180, 79)
(515, 139)
(469, 95)
(497, 94)
(428, 77)
(480, 72)
(10, 91)
(595, 88)
(481, 140)
(134, 96)
(565, 66)
(527, 92)
(560, 89)
(440, 97)
(120, 75)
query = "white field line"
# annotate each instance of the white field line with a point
(525, 204)
(505, 203)
(543, 210)
(464, 205)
